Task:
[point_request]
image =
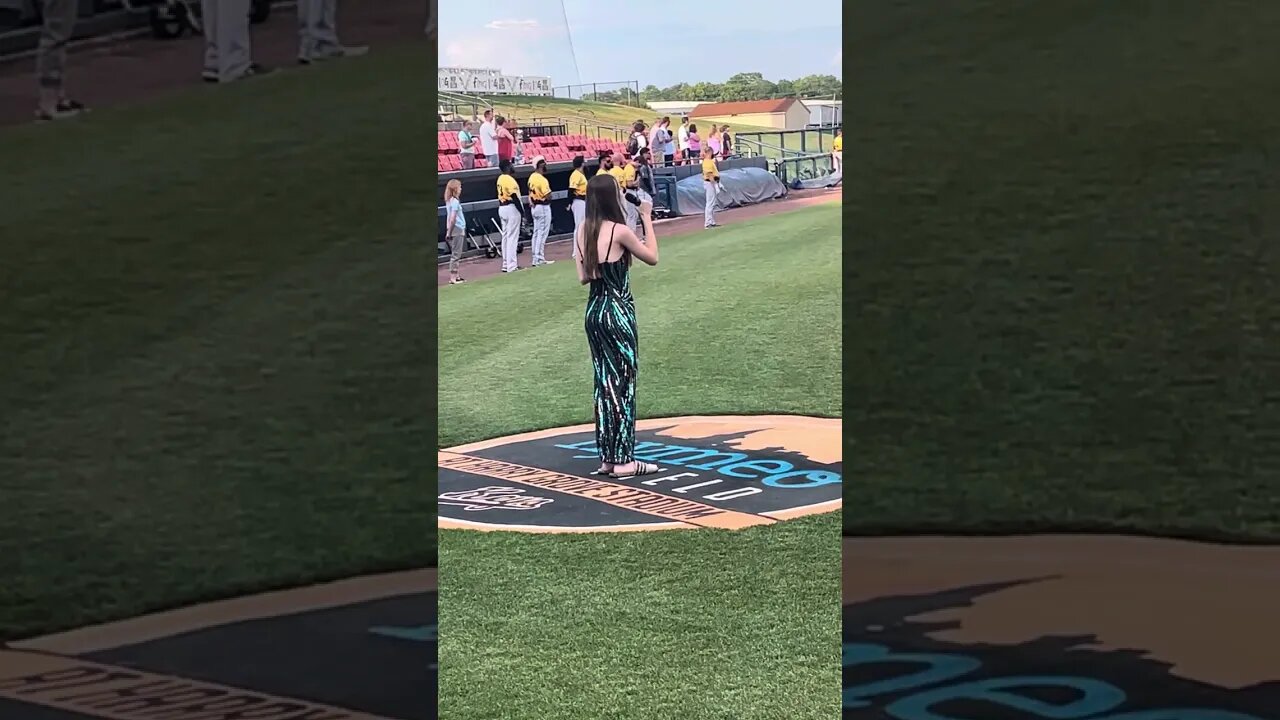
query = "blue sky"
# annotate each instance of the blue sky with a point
(722, 38)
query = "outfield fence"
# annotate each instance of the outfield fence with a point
(621, 92)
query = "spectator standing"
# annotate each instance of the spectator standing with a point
(318, 33)
(682, 135)
(644, 176)
(489, 139)
(668, 145)
(713, 141)
(695, 143)
(726, 143)
(455, 233)
(506, 142)
(467, 146)
(59, 23)
(639, 140)
(227, 49)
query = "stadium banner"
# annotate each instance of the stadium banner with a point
(490, 81)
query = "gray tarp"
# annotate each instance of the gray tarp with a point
(825, 181)
(742, 186)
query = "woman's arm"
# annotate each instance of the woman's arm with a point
(646, 250)
(577, 260)
(449, 223)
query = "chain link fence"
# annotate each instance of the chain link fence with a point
(622, 92)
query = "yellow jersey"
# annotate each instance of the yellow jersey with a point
(710, 172)
(628, 178)
(578, 184)
(617, 174)
(508, 188)
(539, 188)
(838, 144)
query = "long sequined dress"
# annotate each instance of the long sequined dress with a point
(611, 333)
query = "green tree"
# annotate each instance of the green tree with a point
(818, 86)
(747, 86)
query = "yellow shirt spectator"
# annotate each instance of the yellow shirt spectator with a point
(578, 184)
(539, 188)
(628, 178)
(838, 143)
(617, 175)
(710, 172)
(508, 188)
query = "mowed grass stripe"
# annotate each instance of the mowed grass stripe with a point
(1063, 270)
(212, 385)
(744, 318)
(695, 624)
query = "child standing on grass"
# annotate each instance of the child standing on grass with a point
(455, 228)
(710, 186)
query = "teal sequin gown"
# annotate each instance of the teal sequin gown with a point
(611, 333)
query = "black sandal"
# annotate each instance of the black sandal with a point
(642, 468)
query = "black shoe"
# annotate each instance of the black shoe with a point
(256, 69)
(64, 110)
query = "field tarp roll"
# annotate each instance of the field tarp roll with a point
(826, 181)
(742, 186)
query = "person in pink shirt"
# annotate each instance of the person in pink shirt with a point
(713, 141)
(695, 143)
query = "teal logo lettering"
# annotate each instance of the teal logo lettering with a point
(929, 681)
(773, 472)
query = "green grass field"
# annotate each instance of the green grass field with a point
(695, 624)
(213, 361)
(1063, 278)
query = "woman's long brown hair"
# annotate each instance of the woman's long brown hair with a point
(604, 204)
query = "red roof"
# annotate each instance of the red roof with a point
(743, 108)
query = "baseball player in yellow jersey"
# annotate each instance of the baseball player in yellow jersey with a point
(837, 152)
(509, 211)
(540, 199)
(710, 186)
(577, 196)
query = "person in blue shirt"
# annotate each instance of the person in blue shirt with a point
(455, 228)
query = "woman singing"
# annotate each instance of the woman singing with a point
(605, 248)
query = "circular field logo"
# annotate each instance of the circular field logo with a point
(727, 472)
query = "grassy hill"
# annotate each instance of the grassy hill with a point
(1063, 279)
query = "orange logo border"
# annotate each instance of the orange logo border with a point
(689, 515)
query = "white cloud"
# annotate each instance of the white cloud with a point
(516, 47)
(522, 25)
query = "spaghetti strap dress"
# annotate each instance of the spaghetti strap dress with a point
(611, 333)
